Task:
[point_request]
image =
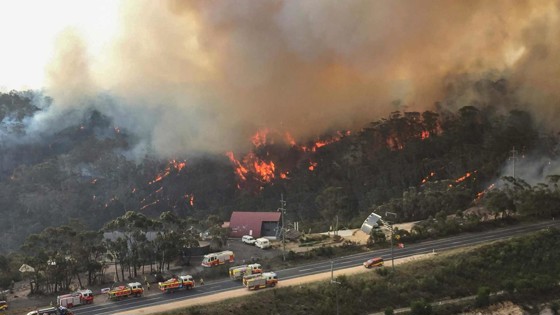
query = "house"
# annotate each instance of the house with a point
(256, 224)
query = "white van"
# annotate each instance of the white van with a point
(248, 239)
(262, 243)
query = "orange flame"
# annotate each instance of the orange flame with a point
(482, 193)
(251, 163)
(312, 166)
(425, 135)
(289, 139)
(189, 198)
(240, 170)
(432, 174)
(259, 139)
(462, 178)
(172, 164)
(264, 169)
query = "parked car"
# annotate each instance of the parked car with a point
(248, 239)
(374, 262)
(3, 305)
(262, 243)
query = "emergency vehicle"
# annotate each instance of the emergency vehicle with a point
(175, 284)
(219, 258)
(238, 272)
(133, 288)
(77, 298)
(264, 280)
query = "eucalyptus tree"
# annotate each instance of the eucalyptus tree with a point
(132, 227)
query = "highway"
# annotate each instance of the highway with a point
(102, 307)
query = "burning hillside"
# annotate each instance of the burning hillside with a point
(268, 160)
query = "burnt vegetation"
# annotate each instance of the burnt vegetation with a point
(420, 165)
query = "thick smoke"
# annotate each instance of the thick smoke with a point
(191, 76)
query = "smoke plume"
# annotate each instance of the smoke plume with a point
(202, 76)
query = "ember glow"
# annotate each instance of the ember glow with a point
(482, 193)
(171, 165)
(425, 179)
(312, 166)
(464, 177)
(190, 199)
(321, 143)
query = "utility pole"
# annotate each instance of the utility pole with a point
(513, 158)
(336, 289)
(283, 213)
(390, 227)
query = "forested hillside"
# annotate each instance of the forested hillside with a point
(86, 172)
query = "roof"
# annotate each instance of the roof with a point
(250, 223)
(370, 223)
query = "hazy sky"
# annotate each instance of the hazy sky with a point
(205, 75)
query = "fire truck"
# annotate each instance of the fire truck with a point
(238, 272)
(77, 298)
(175, 284)
(219, 258)
(258, 281)
(134, 288)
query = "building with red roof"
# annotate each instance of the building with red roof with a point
(257, 224)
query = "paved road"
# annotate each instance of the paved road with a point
(155, 298)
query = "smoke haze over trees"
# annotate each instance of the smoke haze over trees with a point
(85, 171)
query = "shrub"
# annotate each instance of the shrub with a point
(482, 297)
(420, 307)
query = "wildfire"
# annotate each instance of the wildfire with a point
(117, 129)
(312, 166)
(94, 181)
(424, 135)
(425, 179)
(462, 178)
(321, 143)
(189, 198)
(171, 165)
(240, 170)
(289, 139)
(482, 193)
(259, 139)
(150, 204)
(264, 170)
